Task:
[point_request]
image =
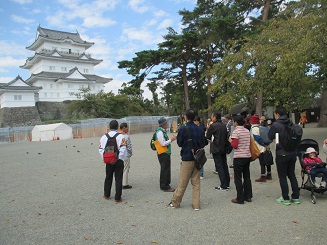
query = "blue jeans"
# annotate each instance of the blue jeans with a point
(222, 169)
(201, 172)
(286, 168)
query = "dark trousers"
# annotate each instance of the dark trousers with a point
(116, 168)
(222, 169)
(315, 171)
(243, 188)
(263, 166)
(165, 171)
(286, 169)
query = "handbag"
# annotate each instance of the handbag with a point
(200, 158)
(255, 153)
(268, 157)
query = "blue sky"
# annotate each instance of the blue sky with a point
(119, 28)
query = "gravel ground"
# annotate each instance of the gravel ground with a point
(51, 193)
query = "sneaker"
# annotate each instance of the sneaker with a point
(201, 177)
(214, 171)
(231, 166)
(282, 201)
(268, 177)
(170, 205)
(218, 188)
(196, 209)
(295, 201)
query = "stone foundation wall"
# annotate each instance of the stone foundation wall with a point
(52, 110)
(19, 116)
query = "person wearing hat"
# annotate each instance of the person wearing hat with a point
(314, 165)
(262, 148)
(164, 157)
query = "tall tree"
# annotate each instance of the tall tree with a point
(285, 60)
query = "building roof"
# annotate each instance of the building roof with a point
(6, 87)
(44, 34)
(54, 54)
(60, 76)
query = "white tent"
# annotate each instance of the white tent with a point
(54, 131)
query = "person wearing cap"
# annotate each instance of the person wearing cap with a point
(164, 157)
(314, 166)
(254, 120)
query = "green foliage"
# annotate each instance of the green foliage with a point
(279, 62)
(106, 105)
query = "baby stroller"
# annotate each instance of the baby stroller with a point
(309, 184)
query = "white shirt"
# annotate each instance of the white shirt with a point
(121, 144)
(161, 139)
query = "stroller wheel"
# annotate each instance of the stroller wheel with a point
(313, 199)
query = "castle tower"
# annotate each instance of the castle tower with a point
(61, 67)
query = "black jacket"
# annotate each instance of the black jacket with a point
(279, 127)
(219, 131)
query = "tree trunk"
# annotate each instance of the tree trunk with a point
(323, 110)
(208, 94)
(185, 83)
(259, 103)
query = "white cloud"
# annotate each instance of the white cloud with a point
(9, 49)
(8, 61)
(159, 13)
(5, 79)
(165, 24)
(22, 1)
(117, 83)
(36, 11)
(97, 21)
(21, 20)
(90, 13)
(143, 36)
(138, 6)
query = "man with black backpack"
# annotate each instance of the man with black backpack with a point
(287, 138)
(113, 151)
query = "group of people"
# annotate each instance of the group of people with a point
(191, 137)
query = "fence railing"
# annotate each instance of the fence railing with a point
(92, 128)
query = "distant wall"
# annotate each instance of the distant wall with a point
(52, 110)
(18, 116)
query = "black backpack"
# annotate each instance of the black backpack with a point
(153, 139)
(110, 154)
(293, 136)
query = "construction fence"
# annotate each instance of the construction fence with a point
(93, 128)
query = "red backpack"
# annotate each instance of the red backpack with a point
(110, 154)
